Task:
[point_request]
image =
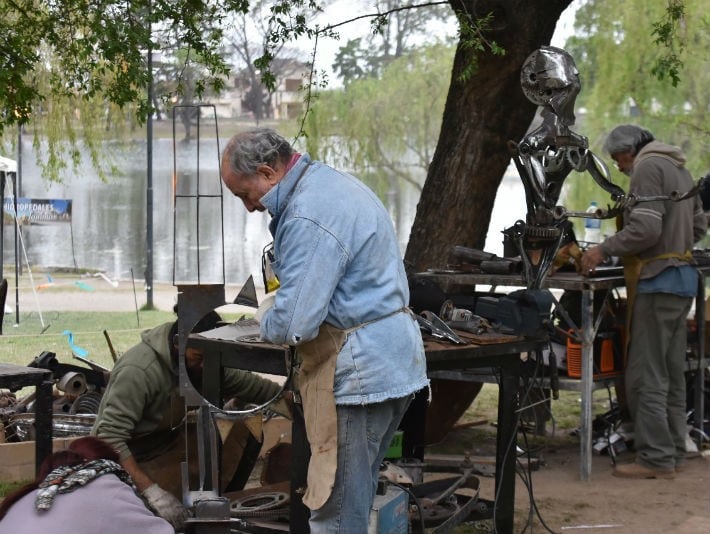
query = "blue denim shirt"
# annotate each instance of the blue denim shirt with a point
(681, 281)
(337, 260)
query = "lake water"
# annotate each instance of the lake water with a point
(108, 227)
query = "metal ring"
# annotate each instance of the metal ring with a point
(258, 502)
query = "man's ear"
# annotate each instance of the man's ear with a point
(272, 175)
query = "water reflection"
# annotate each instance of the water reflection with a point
(108, 230)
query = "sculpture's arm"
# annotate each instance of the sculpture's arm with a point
(600, 172)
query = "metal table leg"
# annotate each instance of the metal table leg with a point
(506, 450)
(43, 422)
(585, 444)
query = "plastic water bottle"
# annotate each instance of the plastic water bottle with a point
(592, 226)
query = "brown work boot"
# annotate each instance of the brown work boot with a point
(635, 470)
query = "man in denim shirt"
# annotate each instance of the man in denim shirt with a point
(343, 302)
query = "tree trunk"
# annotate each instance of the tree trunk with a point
(480, 116)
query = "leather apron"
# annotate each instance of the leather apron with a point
(314, 381)
(315, 384)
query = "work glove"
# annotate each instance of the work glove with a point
(265, 305)
(166, 505)
(569, 254)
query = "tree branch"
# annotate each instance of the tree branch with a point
(331, 27)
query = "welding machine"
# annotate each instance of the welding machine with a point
(390, 512)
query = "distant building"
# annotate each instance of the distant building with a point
(242, 95)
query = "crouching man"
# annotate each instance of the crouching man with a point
(143, 416)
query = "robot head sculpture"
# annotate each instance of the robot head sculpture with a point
(549, 78)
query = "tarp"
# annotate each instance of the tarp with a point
(8, 165)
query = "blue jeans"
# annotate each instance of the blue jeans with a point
(364, 435)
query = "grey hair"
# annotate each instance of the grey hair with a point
(260, 146)
(627, 138)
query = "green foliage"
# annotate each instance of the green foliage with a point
(472, 38)
(92, 49)
(287, 22)
(617, 47)
(394, 29)
(385, 130)
(666, 32)
(354, 61)
(74, 70)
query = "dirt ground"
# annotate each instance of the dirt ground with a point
(66, 294)
(565, 503)
(89, 293)
(602, 504)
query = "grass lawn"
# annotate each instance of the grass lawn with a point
(22, 343)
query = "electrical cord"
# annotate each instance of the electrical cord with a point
(510, 446)
(534, 380)
(417, 504)
(526, 476)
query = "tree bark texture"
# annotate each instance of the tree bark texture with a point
(481, 114)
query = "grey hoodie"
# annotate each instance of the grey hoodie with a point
(658, 227)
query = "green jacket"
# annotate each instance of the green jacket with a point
(142, 398)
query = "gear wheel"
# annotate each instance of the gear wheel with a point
(542, 232)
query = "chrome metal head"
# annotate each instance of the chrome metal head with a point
(549, 77)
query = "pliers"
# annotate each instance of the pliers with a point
(433, 325)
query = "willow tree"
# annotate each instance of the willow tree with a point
(385, 129)
(95, 51)
(68, 69)
(620, 67)
(644, 63)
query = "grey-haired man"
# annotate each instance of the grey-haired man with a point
(655, 243)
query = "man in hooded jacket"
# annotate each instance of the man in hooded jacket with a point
(655, 244)
(142, 413)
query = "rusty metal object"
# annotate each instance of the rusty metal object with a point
(277, 464)
(21, 427)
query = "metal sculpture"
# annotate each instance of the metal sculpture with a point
(546, 156)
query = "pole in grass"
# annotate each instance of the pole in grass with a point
(135, 299)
